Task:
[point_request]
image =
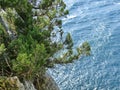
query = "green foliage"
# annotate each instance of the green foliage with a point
(85, 48)
(69, 41)
(2, 49)
(31, 50)
(22, 64)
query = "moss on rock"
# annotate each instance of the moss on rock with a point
(10, 83)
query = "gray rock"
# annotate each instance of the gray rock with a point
(50, 83)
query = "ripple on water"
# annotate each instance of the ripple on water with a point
(98, 22)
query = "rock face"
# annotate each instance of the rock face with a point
(8, 25)
(50, 83)
(13, 83)
(28, 85)
(45, 83)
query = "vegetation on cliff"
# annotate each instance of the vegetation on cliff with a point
(32, 39)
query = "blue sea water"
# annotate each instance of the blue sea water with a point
(98, 22)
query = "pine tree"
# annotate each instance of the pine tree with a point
(31, 37)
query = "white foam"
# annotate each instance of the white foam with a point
(65, 20)
(118, 3)
(71, 16)
(70, 3)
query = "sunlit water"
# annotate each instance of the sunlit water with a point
(98, 22)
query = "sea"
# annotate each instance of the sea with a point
(97, 22)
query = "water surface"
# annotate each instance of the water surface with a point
(98, 22)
